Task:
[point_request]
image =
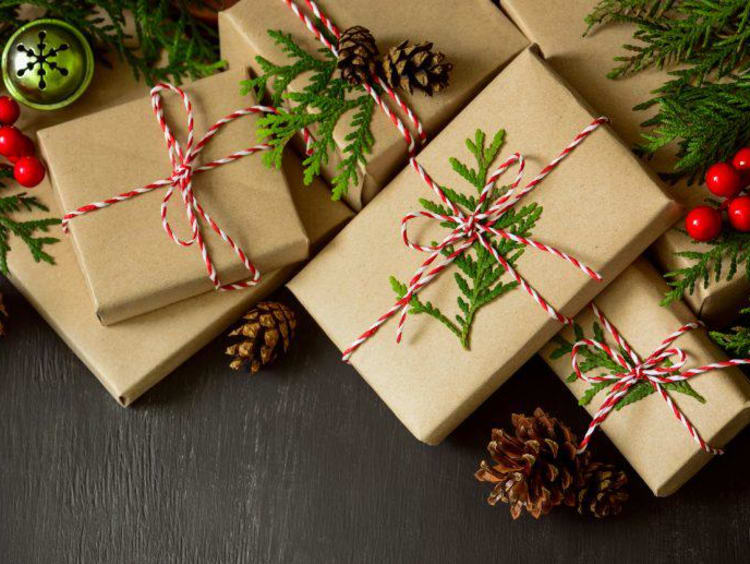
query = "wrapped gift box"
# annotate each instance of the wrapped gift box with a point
(557, 27)
(164, 338)
(130, 265)
(481, 41)
(646, 432)
(600, 205)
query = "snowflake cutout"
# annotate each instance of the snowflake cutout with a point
(43, 58)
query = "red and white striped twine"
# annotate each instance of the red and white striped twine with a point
(652, 370)
(183, 169)
(469, 228)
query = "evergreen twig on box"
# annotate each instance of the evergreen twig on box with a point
(593, 359)
(25, 231)
(321, 103)
(737, 341)
(167, 43)
(479, 277)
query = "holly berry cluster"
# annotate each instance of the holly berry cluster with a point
(727, 181)
(18, 148)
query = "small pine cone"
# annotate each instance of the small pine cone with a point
(265, 332)
(603, 491)
(537, 468)
(416, 66)
(358, 55)
(3, 313)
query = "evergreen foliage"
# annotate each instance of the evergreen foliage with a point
(26, 231)
(594, 359)
(320, 105)
(479, 277)
(161, 27)
(737, 341)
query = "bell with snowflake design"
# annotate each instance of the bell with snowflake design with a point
(47, 64)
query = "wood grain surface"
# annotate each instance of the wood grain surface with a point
(302, 463)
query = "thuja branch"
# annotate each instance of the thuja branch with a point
(727, 257)
(321, 103)
(738, 340)
(595, 360)
(25, 231)
(166, 42)
(479, 277)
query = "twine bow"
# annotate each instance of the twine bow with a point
(184, 167)
(475, 227)
(655, 370)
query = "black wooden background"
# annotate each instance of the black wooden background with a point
(299, 464)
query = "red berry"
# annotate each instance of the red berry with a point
(12, 141)
(741, 160)
(28, 171)
(723, 180)
(25, 149)
(703, 223)
(9, 110)
(739, 213)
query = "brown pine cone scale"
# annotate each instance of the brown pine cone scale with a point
(358, 55)
(264, 333)
(416, 66)
(536, 469)
(603, 492)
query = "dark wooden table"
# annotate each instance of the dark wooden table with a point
(299, 464)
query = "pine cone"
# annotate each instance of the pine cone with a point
(358, 55)
(3, 313)
(416, 66)
(266, 332)
(537, 469)
(603, 491)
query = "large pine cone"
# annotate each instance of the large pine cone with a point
(603, 491)
(417, 66)
(3, 313)
(265, 332)
(537, 469)
(358, 55)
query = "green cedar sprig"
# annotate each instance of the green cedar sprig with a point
(725, 258)
(162, 27)
(594, 359)
(703, 106)
(479, 277)
(26, 231)
(320, 105)
(737, 341)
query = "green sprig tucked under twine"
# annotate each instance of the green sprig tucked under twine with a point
(320, 105)
(593, 359)
(703, 107)
(166, 43)
(479, 278)
(25, 231)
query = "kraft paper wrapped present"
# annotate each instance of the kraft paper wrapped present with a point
(130, 264)
(479, 43)
(557, 27)
(173, 334)
(646, 432)
(599, 205)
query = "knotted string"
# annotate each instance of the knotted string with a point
(475, 227)
(653, 370)
(183, 160)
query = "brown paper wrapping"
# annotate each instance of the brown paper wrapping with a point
(604, 219)
(480, 42)
(557, 26)
(130, 265)
(132, 356)
(646, 432)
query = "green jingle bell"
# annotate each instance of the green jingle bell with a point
(47, 64)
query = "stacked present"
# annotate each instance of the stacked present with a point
(507, 208)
